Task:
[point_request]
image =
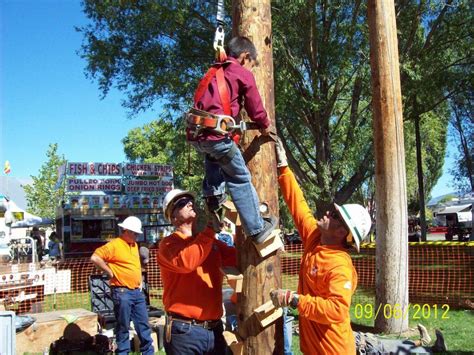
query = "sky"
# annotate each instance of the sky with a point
(45, 95)
(46, 98)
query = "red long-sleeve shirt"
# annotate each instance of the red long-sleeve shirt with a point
(327, 281)
(192, 280)
(243, 92)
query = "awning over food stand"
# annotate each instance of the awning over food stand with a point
(455, 209)
(19, 218)
(30, 220)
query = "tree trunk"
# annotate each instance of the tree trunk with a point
(252, 18)
(390, 180)
(421, 184)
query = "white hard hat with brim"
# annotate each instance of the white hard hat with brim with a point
(171, 197)
(357, 219)
(132, 224)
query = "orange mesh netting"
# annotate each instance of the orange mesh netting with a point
(439, 273)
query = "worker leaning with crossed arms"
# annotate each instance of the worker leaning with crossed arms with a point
(120, 260)
(192, 281)
(327, 277)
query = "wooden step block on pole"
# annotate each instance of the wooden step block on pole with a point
(267, 313)
(234, 277)
(234, 343)
(231, 212)
(270, 245)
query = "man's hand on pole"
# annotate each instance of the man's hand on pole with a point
(280, 154)
(284, 298)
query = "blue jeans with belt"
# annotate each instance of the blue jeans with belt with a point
(236, 176)
(131, 305)
(189, 339)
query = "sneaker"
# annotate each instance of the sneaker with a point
(439, 345)
(424, 336)
(269, 225)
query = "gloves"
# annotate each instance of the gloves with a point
(280, 154)
(284, 298)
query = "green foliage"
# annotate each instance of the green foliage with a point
(433, 127)
(462, 122)
(322, 78)
(41, 196)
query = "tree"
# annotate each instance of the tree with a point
(42, 197)
(322, 85)
(462, 122)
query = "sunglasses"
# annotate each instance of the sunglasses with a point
(182, 203)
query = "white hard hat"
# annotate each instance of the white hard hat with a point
(132, 224)
(170, 198)
(358, 221)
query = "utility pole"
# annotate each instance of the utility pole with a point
(391, 277)
(252, 19)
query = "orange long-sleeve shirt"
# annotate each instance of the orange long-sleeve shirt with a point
(327, 281)
(192, 281)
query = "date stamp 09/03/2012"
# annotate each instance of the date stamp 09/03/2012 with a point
(414, 311)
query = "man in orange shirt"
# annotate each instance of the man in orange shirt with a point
(192, 281)
(327, 277)
(120, 260)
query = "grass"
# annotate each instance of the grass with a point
(457, 328)
(67, 301)
(456, 325)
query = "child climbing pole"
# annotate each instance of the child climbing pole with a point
(225, 89)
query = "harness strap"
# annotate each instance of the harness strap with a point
(217, 70)
(223, 91)
(204, 83)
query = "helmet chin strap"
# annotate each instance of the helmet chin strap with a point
(349, 238)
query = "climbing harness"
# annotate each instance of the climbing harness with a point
(198, 120)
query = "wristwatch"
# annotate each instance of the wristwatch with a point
(294, 301)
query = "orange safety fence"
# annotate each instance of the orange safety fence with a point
(439, 274)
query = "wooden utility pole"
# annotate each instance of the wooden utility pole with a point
(391, 278)
(252, 18)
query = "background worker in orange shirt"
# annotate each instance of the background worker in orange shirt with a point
(120, 260)
(327, 277)
(192, 280)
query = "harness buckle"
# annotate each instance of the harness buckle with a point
(198, 120)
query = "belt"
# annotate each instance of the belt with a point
(206, 324)
(125, 287)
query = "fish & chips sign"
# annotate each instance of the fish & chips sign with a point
(158, 178)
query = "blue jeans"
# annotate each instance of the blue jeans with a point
(287, 332)
(236, 176)
(194, 339)
(368, 343)
(131, 305)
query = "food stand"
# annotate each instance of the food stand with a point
(109, 193)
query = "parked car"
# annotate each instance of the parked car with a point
(458, 220)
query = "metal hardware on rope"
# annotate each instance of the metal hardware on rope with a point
(220, 33)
